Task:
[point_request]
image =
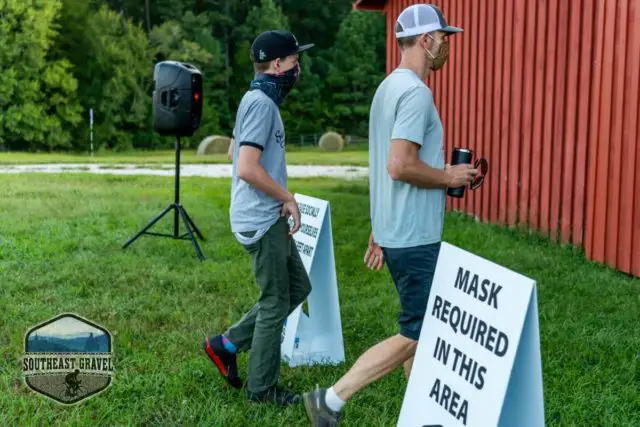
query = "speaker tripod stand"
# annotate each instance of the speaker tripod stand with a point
(179, 212)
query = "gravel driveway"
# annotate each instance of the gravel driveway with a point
(205, 170)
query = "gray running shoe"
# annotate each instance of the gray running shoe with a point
(317, 410)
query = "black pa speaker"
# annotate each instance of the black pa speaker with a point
(177, 98)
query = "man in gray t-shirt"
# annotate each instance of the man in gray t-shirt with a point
(407, 179)
(259, 211)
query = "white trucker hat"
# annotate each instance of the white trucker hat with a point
(421, 19)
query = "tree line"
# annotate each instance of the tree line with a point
(61, 58)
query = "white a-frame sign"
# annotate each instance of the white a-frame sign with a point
(478, 357)
(315, 338)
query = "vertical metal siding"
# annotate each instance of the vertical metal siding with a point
(549, 92)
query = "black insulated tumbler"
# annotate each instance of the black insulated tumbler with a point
(460, 156)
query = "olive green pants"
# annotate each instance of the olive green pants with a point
(284, 285)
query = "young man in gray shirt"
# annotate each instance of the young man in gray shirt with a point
(407, 179)
(260, 207)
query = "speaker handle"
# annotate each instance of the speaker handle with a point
(174, 98)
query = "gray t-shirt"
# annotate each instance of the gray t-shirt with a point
(258, 124)
(403, 215)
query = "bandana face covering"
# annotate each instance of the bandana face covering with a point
(277, 86)
(437, 61)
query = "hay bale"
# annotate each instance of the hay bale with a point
(331, 141)
(215, 144)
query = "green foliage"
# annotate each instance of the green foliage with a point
(303, 112)
(356, 69)
(61, 58)
(117, 75)
(316, 21)
(159, 10)
(114, 68)
(190, 41)
(266, 16)
(38, 102)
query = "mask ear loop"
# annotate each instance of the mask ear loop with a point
(484, 167)
(434, 42)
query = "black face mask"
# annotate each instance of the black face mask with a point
(277, 86)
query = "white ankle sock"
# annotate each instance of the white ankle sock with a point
(333, 401)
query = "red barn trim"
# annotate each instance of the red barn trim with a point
(369, 4)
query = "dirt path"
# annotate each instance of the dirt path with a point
(204, 170)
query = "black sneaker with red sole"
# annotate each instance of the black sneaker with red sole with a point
(224, 360)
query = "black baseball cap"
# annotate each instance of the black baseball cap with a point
(276, 44)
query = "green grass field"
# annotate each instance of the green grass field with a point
(355, 156)
(60, 250)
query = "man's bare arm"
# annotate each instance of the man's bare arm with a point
(251, 171)
(405, 165)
